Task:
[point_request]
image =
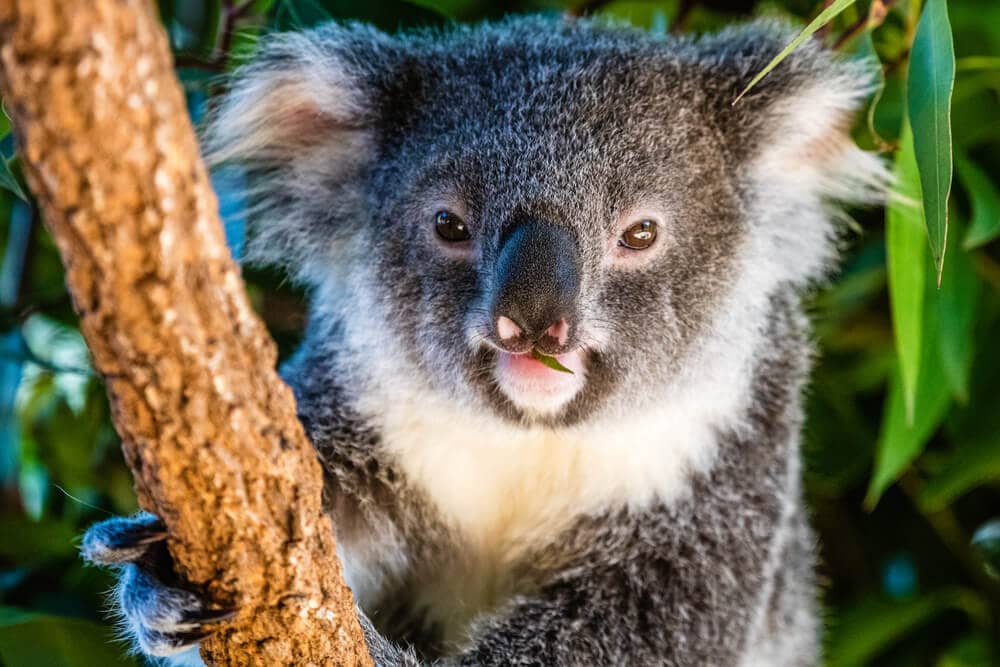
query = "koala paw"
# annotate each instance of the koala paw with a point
(163, 617)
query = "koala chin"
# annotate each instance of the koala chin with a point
(471, 209)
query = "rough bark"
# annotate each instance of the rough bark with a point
(207, 426)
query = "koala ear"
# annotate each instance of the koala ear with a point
(795, 124)
(300, 121)
(791, 135)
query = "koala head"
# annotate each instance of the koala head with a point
(462, 201)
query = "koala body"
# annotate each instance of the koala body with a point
(462, 203)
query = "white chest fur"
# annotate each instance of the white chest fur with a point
(504, 487)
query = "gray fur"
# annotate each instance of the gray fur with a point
(351, 139)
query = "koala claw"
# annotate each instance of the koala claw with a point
(121, 540)
(162, 616)
(209, 616)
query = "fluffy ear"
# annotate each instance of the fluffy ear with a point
(791, 136)
(301, 121)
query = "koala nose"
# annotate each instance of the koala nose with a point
(536, 287)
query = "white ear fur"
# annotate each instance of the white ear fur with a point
(298, 120)
(810, 144)
(808, 167)
(282, 105)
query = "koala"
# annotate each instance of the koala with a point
(556, 350)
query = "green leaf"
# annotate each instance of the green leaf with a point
(902, 439)
(211, 26)
(650, 16)
(8, 181)
(985, 197)
(36, 540)
(972, 650)
(824, 17)
(27, 638)
(977, 64)
(906, 262)
(868, 629)
(930, 83)
(971, 465)
(451, 9)
(551, 362)
(956, 303)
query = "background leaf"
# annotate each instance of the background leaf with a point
(8, 181)
(903, 437)
(862, 635)
(985, 200)
(971, 465)
(40, 639)
(955, 315)
(905, 259)
(929, 87)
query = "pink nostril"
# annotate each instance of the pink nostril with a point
(507, 328)
(559, 331)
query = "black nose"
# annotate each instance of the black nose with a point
(537, 282)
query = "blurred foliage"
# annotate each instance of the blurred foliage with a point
(903, 439)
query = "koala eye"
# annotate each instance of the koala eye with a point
(639, 236)
(450, 227)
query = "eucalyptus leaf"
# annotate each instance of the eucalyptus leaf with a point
(28, 638)
(8, 181)
(973, 650)
(977, 64)
(985, 198)
(211, 26)
(955, 305)
(906, 263)
(971, 465)
(930, 83)
(902, 437)
(827, 15)
(643, 14)
(37, 541)
(858, 637)
(551, 362)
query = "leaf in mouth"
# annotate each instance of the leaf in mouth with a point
(551, 362)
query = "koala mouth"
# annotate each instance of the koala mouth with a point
(534, 387)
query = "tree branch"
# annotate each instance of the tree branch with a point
(208, 428)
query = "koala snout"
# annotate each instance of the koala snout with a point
(537, 282)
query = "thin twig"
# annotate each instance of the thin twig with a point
(873, 19)
(824, 31)
(233, 14)
(187, 60)
(219, 58)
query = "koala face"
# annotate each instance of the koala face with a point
(583, 192)
(596, 225)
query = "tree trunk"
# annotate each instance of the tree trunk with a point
(208, 428)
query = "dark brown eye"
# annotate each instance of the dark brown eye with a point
(450, 227)
(639, 236)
